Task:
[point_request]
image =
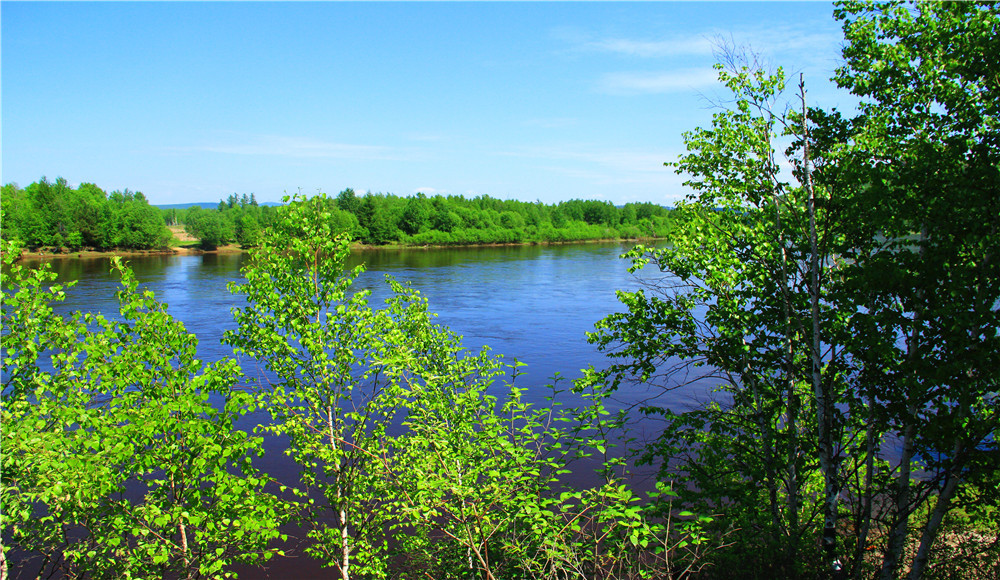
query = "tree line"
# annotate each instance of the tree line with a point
(122, 457)
(419, 220)
(56, 215)
(847, 312)
(53, 214)
(237, 219)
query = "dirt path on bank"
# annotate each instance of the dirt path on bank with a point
(178, 233)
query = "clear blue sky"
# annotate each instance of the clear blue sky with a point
(551, 101)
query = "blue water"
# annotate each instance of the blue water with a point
(532, 303)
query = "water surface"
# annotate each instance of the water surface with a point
(532, 303)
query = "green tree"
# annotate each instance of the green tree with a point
(212, 227)
(629, 215)
(132, 223)
(375, 216)
(416, 215)
(598, 212)
(115, 464)
(248, 230)
(742, 298)
(16, 214)
(851, 310)
(925, 150)
(470, 484)
(446, 220)
(348, 201)
(318, 339)
(511, 220)
(88, 213)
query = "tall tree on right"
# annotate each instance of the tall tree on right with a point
(926, 150)
(849, 315)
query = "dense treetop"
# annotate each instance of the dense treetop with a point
(46, 214)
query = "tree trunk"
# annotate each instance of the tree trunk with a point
(345, 536)
(867, 497)
(897, 538)
(828, 460)
(931, 529)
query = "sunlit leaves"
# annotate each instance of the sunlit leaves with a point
(115, 463)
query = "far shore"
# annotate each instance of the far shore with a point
(61, 253)
(58, 253)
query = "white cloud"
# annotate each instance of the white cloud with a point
(799, 44)
(692, 45)
(298, 147)
(800, 41)
(637, 83)
(430, 191)
(552, 122)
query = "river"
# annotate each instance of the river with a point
(532, 303)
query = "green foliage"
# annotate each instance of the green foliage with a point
(133, 223)
(400, 443)
(929, 104)
(416, 215)
(48, 214)
(737, 303)
(115, 463)
(455, 220)
(850, 319)
(303, 325)
(121, 456)
(213, 228)
(235, 219)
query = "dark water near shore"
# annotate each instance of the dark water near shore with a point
(532, 303)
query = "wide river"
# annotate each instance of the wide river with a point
(532, 303)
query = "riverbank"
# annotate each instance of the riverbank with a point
(61, 253)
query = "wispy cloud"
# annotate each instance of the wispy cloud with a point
(431, 191)
(297, 147)
(552, 122)
(638, 83)
(578, 41)
(798, 43)
(799, 40)
(623, 172)
(686, 46)
(600, 165)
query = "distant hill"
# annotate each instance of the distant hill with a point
(204, 204)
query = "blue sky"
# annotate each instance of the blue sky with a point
(550, 101)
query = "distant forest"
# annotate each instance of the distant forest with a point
(55, 215)
(48, 214)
